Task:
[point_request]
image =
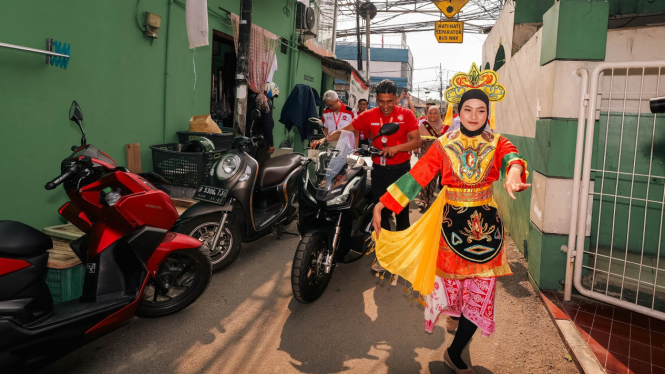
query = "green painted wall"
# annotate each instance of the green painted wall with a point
(575, 30)
(117, 76)
(625, 7)
(528, 11)
(625, 226)
(554, 153)
(515, 213)
(547, 264)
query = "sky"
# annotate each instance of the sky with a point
(428, 53)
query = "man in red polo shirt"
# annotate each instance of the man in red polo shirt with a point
(395, 159)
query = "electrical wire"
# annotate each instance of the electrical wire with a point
(194, 63)
(485, 11)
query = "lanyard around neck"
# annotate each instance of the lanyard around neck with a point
(337, 119)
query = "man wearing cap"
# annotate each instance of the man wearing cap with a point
(395, 158)
(337, 115)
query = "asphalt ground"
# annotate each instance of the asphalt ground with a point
(248, 322)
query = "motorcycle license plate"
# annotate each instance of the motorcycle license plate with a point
(211, 194)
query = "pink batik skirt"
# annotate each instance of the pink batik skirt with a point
(471, 297)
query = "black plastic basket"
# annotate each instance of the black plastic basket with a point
(221, 141)
(185, 169)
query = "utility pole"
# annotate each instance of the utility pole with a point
(360, 45)
(367, 20)
(242, 68)
(440, 86)
(334, 31)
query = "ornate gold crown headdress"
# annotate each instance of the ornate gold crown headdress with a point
(486, 80)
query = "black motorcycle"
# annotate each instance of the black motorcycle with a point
(242, 202)
(336, 207)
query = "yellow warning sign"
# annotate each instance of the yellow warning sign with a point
(450, 7)
(449, 31)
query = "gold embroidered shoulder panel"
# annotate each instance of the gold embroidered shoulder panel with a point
(470, 158)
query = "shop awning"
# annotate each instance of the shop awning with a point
(336, 68)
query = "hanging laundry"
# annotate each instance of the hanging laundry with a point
(197, 23)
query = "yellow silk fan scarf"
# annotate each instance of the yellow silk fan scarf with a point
(412, 253)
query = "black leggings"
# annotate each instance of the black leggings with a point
(463, 336)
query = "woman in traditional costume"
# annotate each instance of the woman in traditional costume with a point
(455, 251)
(430, 129)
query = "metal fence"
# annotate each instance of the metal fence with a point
(621, 158)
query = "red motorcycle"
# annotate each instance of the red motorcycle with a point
(134, 265)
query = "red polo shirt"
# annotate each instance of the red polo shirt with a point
(371, 121)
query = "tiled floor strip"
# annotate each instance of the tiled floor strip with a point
(624, 342)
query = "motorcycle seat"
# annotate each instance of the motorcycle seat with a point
(18, 239)
(275, 170)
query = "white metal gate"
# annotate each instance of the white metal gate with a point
(621, 159)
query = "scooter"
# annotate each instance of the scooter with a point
(134, 266)
(335, 218)
(242, 202)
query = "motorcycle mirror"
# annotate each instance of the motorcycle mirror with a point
(256, 114)
(315, 122)
(76, 115)
(657, 105)
(387, 129)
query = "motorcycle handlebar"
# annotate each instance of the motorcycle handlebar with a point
(62, 177)
(371, 151)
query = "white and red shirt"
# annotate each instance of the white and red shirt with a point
(335, 121)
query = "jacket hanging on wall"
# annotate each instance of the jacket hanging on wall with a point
(197, 22)
(298, 108)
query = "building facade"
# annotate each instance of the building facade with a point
(394, 62)
(537, 48)
(131, 88)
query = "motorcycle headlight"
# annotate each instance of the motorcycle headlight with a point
(228, 166)
(339, 200)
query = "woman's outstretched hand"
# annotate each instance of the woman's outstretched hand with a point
(376, 219)
(513, 181)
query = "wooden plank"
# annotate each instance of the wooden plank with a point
(134, 157)
(182, 202)
(67, 232)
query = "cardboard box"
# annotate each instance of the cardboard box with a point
(203, 123)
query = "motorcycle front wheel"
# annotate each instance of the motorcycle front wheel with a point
(185, 274)
(308, 277)
(204, 228)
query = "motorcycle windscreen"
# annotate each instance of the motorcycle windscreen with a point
(332, 161)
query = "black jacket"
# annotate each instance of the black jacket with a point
(299, 107)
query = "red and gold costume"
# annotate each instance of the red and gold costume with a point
(455, 251)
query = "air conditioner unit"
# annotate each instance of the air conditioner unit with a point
(307, 21)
